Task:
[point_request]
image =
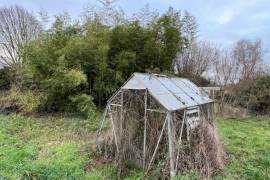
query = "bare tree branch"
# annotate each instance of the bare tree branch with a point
(104, 10)
(248, 55)
(17, 27)
(196, 58)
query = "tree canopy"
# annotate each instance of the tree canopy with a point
(94, 58)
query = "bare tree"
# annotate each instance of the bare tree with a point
(17, 27)
(146, 16)
(225, 70)
(248, 54)
(196, 58)
(189, 28)
(44, 18)
(104, 10)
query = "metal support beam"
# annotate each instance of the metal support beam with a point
(159, 138)
(180, 139)
(156, 110)
(100, 127)
(145, 123)
(115, 104)
(171, 146)
(121, 115)
(114, 132)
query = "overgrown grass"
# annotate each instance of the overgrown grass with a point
(248, 143)
(59, 148)
(50, 148)
(43, 148)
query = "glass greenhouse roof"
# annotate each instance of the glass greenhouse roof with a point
(171, 92)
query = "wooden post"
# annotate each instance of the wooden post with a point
(171, 146)
(145, 121)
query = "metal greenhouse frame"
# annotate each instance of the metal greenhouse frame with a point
(153, 114)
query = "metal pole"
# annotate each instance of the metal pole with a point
(171, 146)
(121, 115)
(114, 133)
(145, 121)
(101, 125)
(180, 138)
(159, 138)
(188, 131)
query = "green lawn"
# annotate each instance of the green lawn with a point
(59, 148)
(247, 142)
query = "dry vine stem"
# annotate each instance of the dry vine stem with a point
(138, 123)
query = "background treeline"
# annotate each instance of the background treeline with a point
(74, 66)
(70, 65)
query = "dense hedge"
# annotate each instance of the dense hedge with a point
(254, 95)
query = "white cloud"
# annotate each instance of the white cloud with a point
(264, 15)
(226, 16)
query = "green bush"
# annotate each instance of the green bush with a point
(254, 95)
(21, 101)
(60, 86)
(83, 103)
(64, 81)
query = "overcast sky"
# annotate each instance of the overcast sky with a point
(220, 21)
